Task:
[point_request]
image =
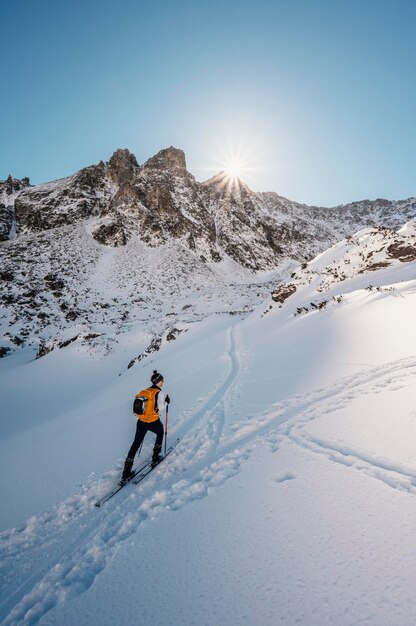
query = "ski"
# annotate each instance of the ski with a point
(121, 484)
(138, 475)
(141, 475)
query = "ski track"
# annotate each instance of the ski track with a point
(394, 475)
(73, 570)
(207, 455)
(209, 421)
(393, 376)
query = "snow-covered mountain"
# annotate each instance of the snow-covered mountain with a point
(85, 257)
(290, 498)
(286, 337)
(356, 260)
(161, 200)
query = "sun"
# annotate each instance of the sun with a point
(236, 161)
(234, 169)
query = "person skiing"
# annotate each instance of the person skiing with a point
(146, 407)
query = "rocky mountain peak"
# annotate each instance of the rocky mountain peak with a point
(160, 202)
(122, 165)
(170, 159)
(11, 185)
(51, 238)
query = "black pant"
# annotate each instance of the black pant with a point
(141, 429)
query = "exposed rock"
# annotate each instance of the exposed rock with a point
(6, 275)
(373, 267)
(53, 282)
(12, 185)
(91, 178)
(55, 232)
(122, 166)
(64, 344)
(369, 250)
(283, 292)
(48, 346)
(111, 234)
(170, 159)
(9, 189)
(18, 341)
(72, 315)
(161, 200)
(173, 334)
(90, 336)
(154, 346)
(6, 221)
(402, 251)
(62, 202)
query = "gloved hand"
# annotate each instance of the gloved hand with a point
(167, 399)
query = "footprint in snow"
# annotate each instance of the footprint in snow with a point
(283, 477)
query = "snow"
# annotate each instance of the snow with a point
(290, 497)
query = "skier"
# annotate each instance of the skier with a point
(148, 418)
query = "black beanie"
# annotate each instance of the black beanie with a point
(156, 377)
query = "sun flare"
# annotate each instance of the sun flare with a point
(236, 161)
(234, 169)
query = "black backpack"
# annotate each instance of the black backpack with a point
(139, 405)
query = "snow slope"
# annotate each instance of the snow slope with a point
(290, 498)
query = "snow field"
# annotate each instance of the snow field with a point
(288, 500)
(250, 554)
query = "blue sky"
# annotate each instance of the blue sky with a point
(319, 96)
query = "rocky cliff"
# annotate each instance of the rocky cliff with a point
(161, 200)
(119, 243)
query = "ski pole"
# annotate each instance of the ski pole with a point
(166, 425)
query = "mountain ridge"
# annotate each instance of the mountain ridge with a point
(161, 198)
(119, 243)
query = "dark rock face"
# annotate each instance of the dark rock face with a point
(283, 292)
(243, 231)
(62, 202)
(122, 166)
(161, 201)
(170, 159)
(111, 234)
(11, 185)
(9, 189)
(52, 271)
(53, 282)
(403, 251)
(6, 221)
(6, 275)
(158, 202)
(90, 179)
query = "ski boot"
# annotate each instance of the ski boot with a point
(127, 473)
(157, 456)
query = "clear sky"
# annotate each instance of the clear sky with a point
(318, 95)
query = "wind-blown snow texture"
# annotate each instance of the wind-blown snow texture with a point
(290, 498)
